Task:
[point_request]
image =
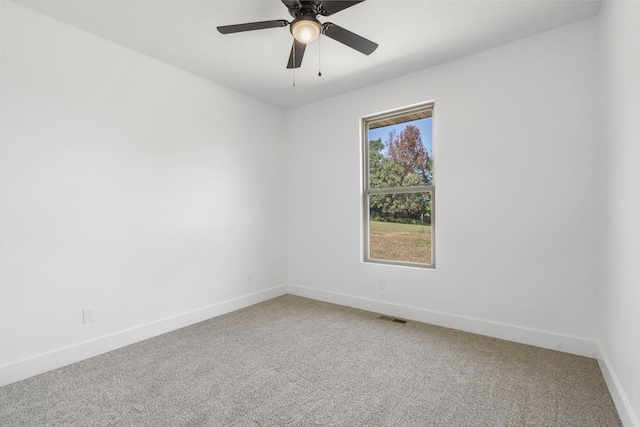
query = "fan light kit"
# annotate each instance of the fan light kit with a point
(306, 28)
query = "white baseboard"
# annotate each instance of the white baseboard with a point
(26, 368)
(544, 339)
(623, 405)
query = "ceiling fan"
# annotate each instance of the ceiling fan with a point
(306, 28)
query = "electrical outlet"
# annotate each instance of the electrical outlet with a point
(250, 278)
(88, 314)
(382, 284)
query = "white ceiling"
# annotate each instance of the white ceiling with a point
(412, 34)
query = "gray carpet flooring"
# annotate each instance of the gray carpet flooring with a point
(296, 361)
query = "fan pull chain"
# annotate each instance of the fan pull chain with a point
(294, 64)
(319, 73)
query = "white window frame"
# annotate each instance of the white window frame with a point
(400, 113)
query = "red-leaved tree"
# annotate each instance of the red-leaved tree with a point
(407, 150)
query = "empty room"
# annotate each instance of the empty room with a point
(347, 213)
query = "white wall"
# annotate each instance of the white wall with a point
(515, 165)
(127, 185)
(620, 231)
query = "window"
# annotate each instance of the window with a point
(399, 189)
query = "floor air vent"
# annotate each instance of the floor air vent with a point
(392, 319)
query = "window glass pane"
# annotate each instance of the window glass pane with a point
(401, 155)
(400, 227)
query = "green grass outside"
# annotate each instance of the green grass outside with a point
(398, 228)
(400, 242)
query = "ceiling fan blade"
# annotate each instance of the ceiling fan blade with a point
(238, 28)
(348, 38)
(291, 4)
(297, 51)
(329, 7)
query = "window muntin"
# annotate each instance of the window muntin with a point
(399, 188)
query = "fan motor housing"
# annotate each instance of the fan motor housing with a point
(308, 8)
